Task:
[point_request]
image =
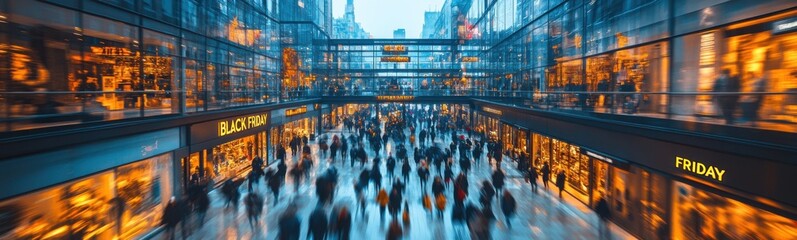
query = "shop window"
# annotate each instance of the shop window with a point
(763, 61)
(507, 138)
(262, 147)
(601, 188)
(230, 160)
(111, 64)
(542, 146)
(78, 209)
(120, 203)
(699, 214)
(158, 77)
(143, 189)
(43, 53)
(568, 159)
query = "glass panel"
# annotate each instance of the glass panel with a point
(699, 214)
(191, 15)
(122, 203)
(112, 64)
(231, 160)
(142, 189)
(43, 54)
(159, 81)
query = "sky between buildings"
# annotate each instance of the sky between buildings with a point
(381, 17)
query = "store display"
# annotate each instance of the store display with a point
(230, 160)
(575, 165)
(541, 150)
(699, 214)
(120, 203)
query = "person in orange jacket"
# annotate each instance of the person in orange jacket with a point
(427, 202)
(440, 201)
(405, 216)
(382, 199)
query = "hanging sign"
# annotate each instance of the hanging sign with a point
(111, 51)
(295, 111)
(470, 59)
(394, 49)
(492, 110)
(395, 98)
(395, 59)
(784, 26)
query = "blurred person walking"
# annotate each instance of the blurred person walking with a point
(498, 180)
(318, 224)
(602, 209)
(560, 182)
(508, 206)
(172, 215)
(394, 231)
(289, 224)
(382, 199)
(254, 207)
(546, 174)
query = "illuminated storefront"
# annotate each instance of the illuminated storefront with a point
(632, 192)
(699, 214)
(299, 128)
(113, 189)
(486, 125)
(293, 122)
(459, 113)
(333, 116)
(231, 159)
(515, 140)
(223, 149)
(640, 198)
(124, 202)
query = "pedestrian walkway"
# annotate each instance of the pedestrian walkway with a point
(539, 216)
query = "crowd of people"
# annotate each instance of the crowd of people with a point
(439, 149)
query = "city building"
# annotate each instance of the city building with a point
(429, 20)
(659, 119)
(399, 33)
(347, 27)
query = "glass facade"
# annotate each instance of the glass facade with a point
(395, 67)
(68, 64)
(654, 58)
(762, 59)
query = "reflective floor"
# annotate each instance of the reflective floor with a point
(539, 216)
